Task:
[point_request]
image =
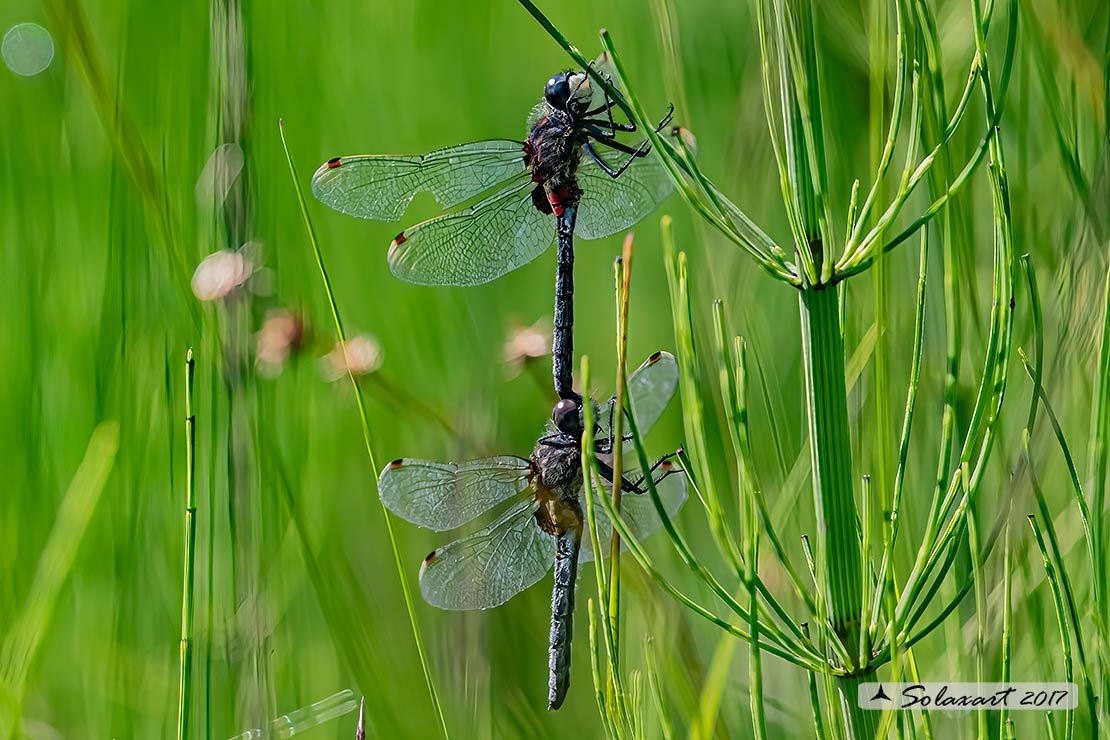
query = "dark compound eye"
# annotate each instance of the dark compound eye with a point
(557, 91)
(565, 416)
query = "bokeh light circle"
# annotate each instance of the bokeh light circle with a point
(27, 49)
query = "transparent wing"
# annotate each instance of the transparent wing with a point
(382, 186)
(604, 67)
(650, 388)
(491, 566)
(444, 496)
(637, 509)
(477, 244)
(610, 205)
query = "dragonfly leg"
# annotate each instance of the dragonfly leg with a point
(609, 124)
(642, 151)
(607, 107)
(606, 128)
(558, 441)
(607, 473)
(655, 466)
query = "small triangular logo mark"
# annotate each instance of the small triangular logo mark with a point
(880, 694)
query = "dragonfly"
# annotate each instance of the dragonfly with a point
(571, 172)
(542, 508)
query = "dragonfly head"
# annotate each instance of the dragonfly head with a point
(567, 417)
(568, 91)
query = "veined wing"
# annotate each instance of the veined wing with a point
(650, 388)
(637, 509)
(382, 186)
(610, 205)
(489, 567)
(477, 244)
(444, 496)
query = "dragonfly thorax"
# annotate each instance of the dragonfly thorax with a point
(553, 154)
(557, 481)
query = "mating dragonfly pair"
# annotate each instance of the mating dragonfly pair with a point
(572, 172)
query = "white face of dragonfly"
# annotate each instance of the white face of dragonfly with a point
(581, 95)
(569, 91)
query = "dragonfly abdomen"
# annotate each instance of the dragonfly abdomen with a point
(562, 616)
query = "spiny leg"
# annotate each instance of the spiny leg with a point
(655, 466)
(606, 128)
(614, 173)
(607, 139)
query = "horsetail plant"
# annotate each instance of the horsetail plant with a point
(862, 614)
(185, 680)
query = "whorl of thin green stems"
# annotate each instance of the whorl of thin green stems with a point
(799, 92)
(779, 644)
(695, 433)
(406, 589)
(733, 391)
(884, 583)
(979, 439)
(693, 412)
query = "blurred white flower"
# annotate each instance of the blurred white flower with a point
(525, 343)
(220, 273)
(281, 335)
(359, 356)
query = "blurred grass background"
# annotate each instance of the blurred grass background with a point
(105, 214)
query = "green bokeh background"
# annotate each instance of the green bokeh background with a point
(97, 316)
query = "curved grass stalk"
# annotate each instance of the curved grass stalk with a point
(406, 589)
(1054, 578)
(1061, 584)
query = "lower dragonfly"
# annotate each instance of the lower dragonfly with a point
(544, 523)
(571, 169)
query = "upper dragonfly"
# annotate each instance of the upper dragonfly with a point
(544, 522)
(570, 170)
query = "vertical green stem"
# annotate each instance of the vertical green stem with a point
(838, 544)
(185, 678)
(624, 274)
